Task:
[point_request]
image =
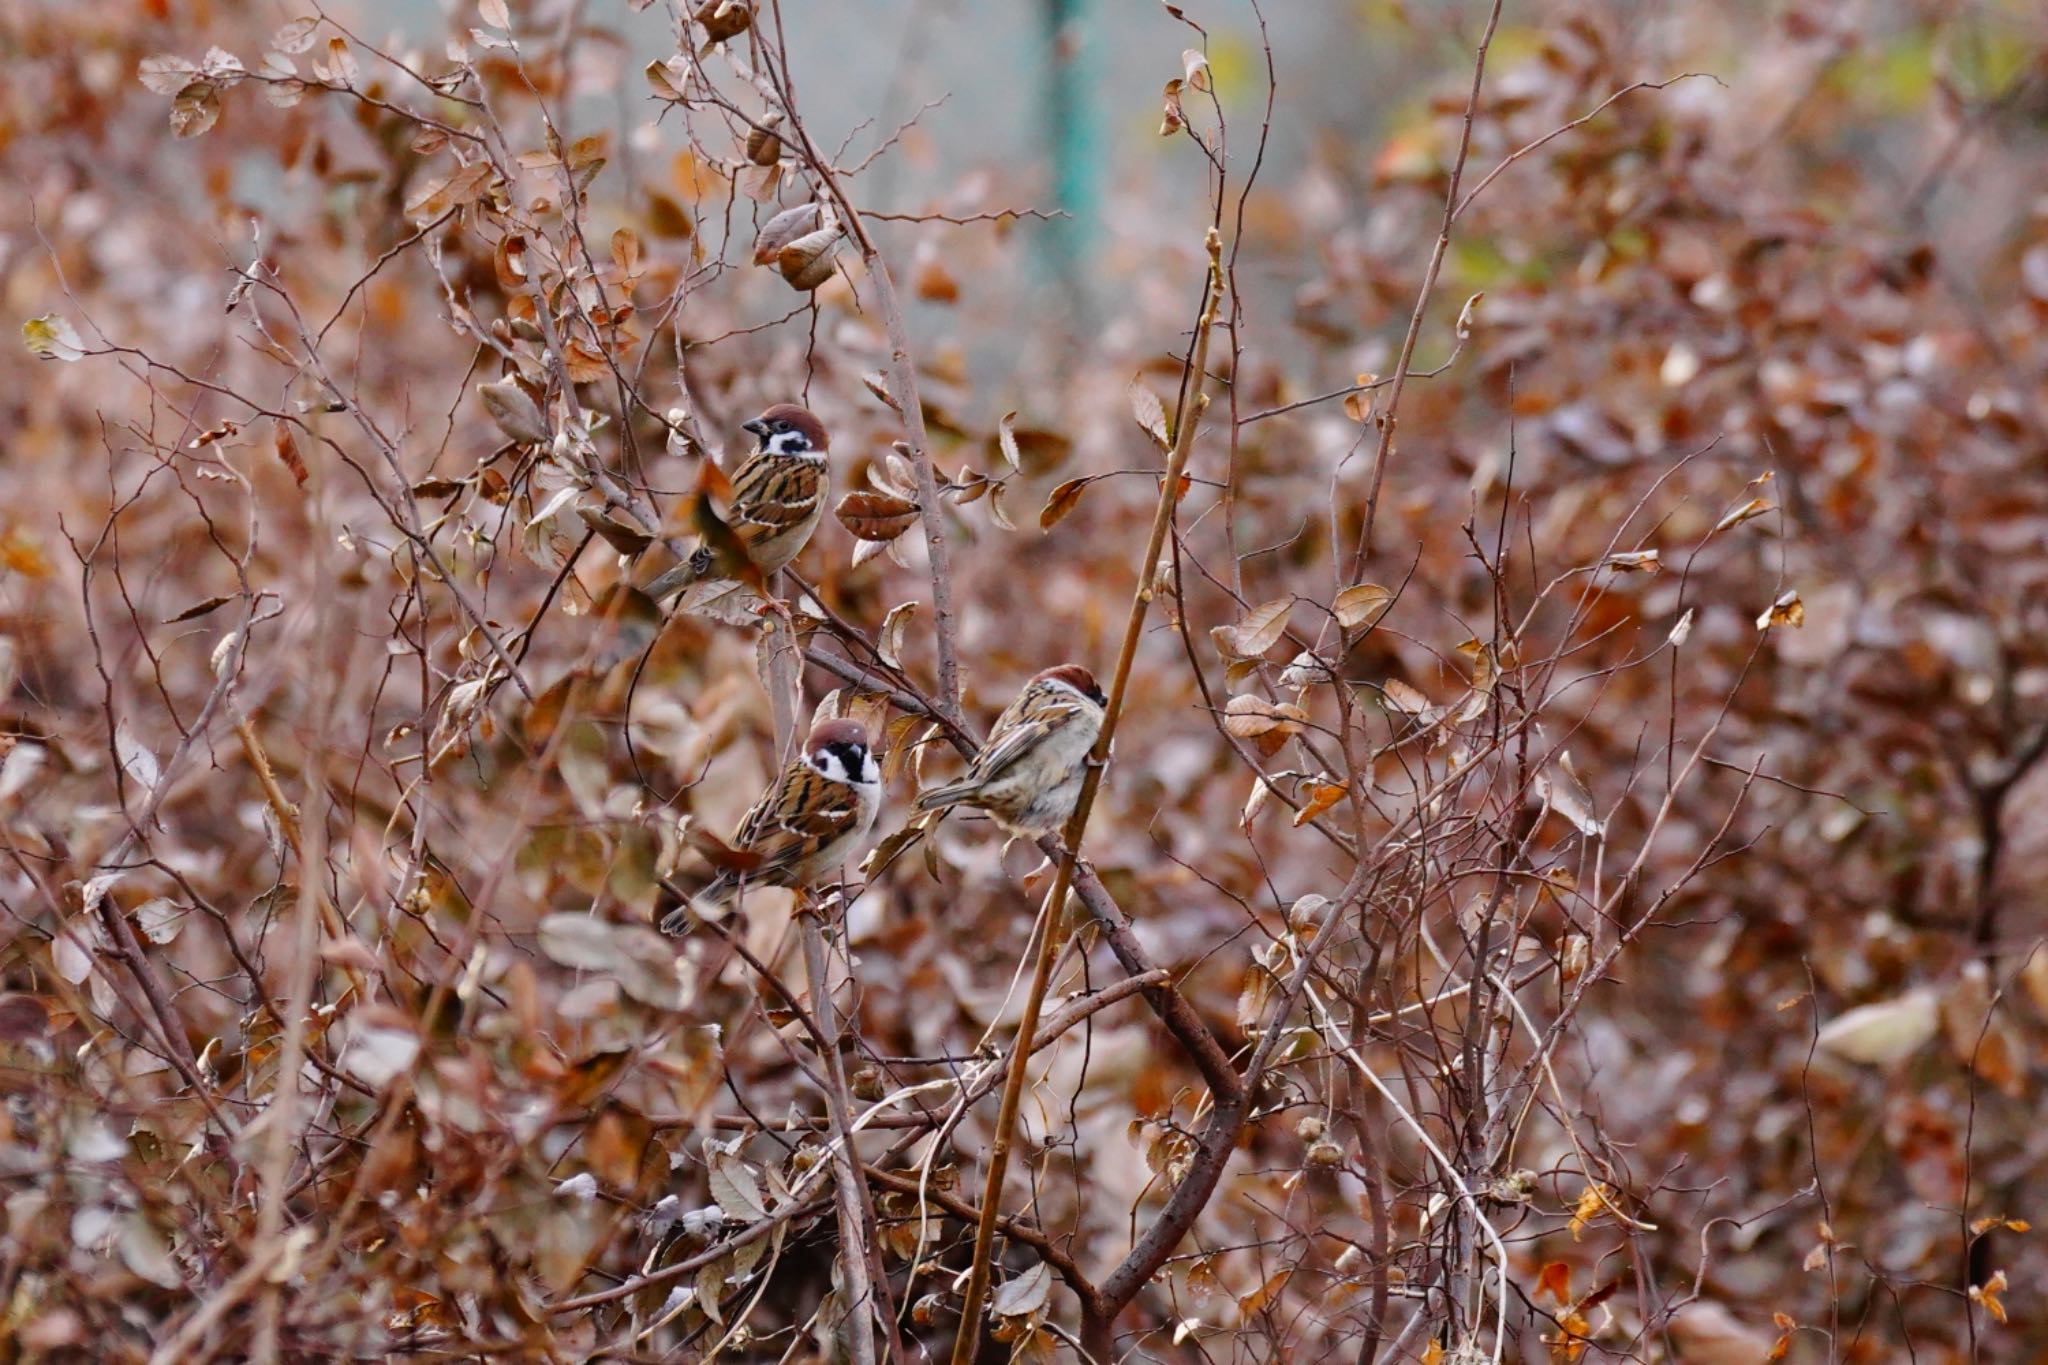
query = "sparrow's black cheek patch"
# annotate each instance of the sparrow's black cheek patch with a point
(850, 759)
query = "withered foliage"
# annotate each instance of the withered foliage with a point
(1567, 886)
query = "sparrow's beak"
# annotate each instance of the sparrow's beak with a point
(755, 425)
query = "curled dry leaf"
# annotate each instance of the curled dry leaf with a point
(166, 73)
(1024, 1295)
(626, 251)
(787, 228)
(1149, 413)
(806, 263)
(1171, 119)
(297, 36)
(199, 609)
(1322, 795)
(997, 513)
(1986, 1296)
(1403, 698)
(876, 516)
(509, 261)
(733, 1187)
(669, 78)
(878, 385)
(1194, 70)
(1063, 500)
(1305, 670)
(1006, 440)
(889, 640)
(1248, 717)
(1257, 1301)
(784, 228)
(1265, 725)
(459, 187)
(515, 411)
(1361, 604)
(1254, 802)
(1257, 631)
(1755, 507)
(1884, 1031)
(1359, 403)
(1468, 315)
(340, 68)
(1635, 561)
(50, 337)
(195, 110)
(1787, 611)
(286, 446)
(763, 147)
(1568, 798)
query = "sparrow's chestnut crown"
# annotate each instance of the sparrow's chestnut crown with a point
(839, 749)
(787, 429)
(1076, 677)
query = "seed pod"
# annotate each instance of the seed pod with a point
(1310, 1128)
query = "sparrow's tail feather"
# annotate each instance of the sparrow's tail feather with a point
(947, 794)
(679, 577)
(709, 903)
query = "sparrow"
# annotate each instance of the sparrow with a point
(777, 501)
(811, 821)
(1028, 775)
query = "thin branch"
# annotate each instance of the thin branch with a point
(1186, 422)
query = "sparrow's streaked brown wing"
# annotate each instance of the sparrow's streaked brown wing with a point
(806, 811)
(773, 495)
(1015, 735)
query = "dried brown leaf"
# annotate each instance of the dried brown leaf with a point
(876, 516)
(286, 446)
(1361, 604)
(1321, 796)
(1149, 413)
(1787, 612)
(1006, 440)
(1063, 500)
(1257, 631)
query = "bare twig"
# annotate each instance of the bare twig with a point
(1187, 420)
